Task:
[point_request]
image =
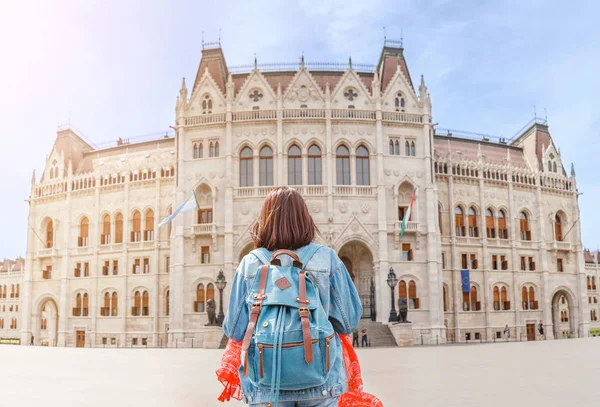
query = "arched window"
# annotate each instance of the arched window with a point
(195, 151)
(407, 149)
(206, 104)
(524, 226)
(391, 147)
(473, 228)
(413, 300)
(266, 166)
(149, 225)
(459, 220)
(211, 149)
(145, 304)
(402, 290)
(554, 167)
(114, 304)
(200, 151)
(496, 298)
(294, 165)
(246, 173)
(314, 165)
(83, 232)
(49, 234)
(105, 237)
(397, 147)
(502, 230)
(136, 310)
(342, 165)
(504, 299)
(470, 301)
(167, 303)
(136, 230)
(119, 228)
(399, 102)
(528, 298)
(533, 304)
(558, 228)
(18, 293)
(490, 230)
(199, 303)
(524, 298)
(362, 166)
(412, 149)
(216, 148)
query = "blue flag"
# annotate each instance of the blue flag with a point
(188, 205)
(466, 281)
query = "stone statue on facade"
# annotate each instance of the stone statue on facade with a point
(211, 308)
(402, 311)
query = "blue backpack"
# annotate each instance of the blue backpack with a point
(287, 323)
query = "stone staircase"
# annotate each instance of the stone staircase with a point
(379, 335)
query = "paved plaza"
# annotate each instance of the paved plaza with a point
(552, 373)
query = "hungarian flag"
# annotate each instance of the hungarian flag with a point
(407, 214)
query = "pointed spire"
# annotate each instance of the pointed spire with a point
(183, 84)
(33, 177)
(302, 60)
(572, 169)
(350, 62)
(255, 62)
(422, 89)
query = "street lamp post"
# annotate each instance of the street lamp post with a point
(392, 281)
(221, 283)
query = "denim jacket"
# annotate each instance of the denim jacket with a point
(338, 296)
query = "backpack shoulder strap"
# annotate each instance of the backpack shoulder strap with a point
(262, 254)
(308, 252)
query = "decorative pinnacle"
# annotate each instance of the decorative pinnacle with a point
(350, 61)
(255, 61)
(183, 84)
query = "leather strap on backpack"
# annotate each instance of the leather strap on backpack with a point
(254, 312)
(304, 314)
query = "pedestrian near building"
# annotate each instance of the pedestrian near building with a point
(507, 332)
(363, 333)
(355, 338)
(541, 330)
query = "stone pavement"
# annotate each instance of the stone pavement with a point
(548, 373)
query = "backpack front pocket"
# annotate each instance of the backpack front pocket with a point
(296, 374)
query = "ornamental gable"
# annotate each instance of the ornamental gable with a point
(303, 92)
(351, 93)
(207, 97)
(399, 95)
(255, 94)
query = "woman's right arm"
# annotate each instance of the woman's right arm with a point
(236, 320)
(345, 307)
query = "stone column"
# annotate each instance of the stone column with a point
(382, 292)
(511, 218)
(94, 242)
(329, 167)
(485, 261)
(157, 263)
(454, 261)
(63, 312)
(124, 269)
(28, 273)
(544, 296)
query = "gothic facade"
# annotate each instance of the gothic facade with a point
(358, 143)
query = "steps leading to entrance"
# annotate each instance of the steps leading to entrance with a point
(379, 334)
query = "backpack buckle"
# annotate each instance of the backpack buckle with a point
(303, 309)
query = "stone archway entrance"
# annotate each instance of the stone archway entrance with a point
(563, 315)
(45, 323)
(359, 261)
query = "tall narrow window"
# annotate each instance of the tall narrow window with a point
(342, 165)
(105, 237)
(440, 217)
(496, 298)
(391, 147)
(206, 104)
(119, 228)
(502, 230)
(205, 216)
(195, 151)
(445, 290)
(362, 166)
(413, 152)
(136, 230)
(200, 150)
(558, 228)
(105, 310)
(397, 147)
(216, 148)
(533, 304)
(211, 149)
(294, 166)
(199, 304)
(524, 226)
(114, 304)
(83, 232)
(490, 230)
(266, 166)
(314, 165)
(149, 225)
(137, 304)
(504, 299)
(413, 300)
(85, 308)
(475, 305)
(167, 305)
(49, 234)
(246, 173)
(460, 221)
(473, 229)
(145, 304)
(407, 149)
(210, 292)
(402, 290)
(205, 253)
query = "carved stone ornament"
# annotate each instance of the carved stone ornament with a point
(387, 172)
(315, 207)
(365, 208)
(343, 207)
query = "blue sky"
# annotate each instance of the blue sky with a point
(114, 68)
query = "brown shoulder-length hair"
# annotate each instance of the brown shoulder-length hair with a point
(284, 221)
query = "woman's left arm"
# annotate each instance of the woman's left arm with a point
(237, 318)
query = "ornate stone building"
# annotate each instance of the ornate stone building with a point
(357, 142)
(11, 278)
